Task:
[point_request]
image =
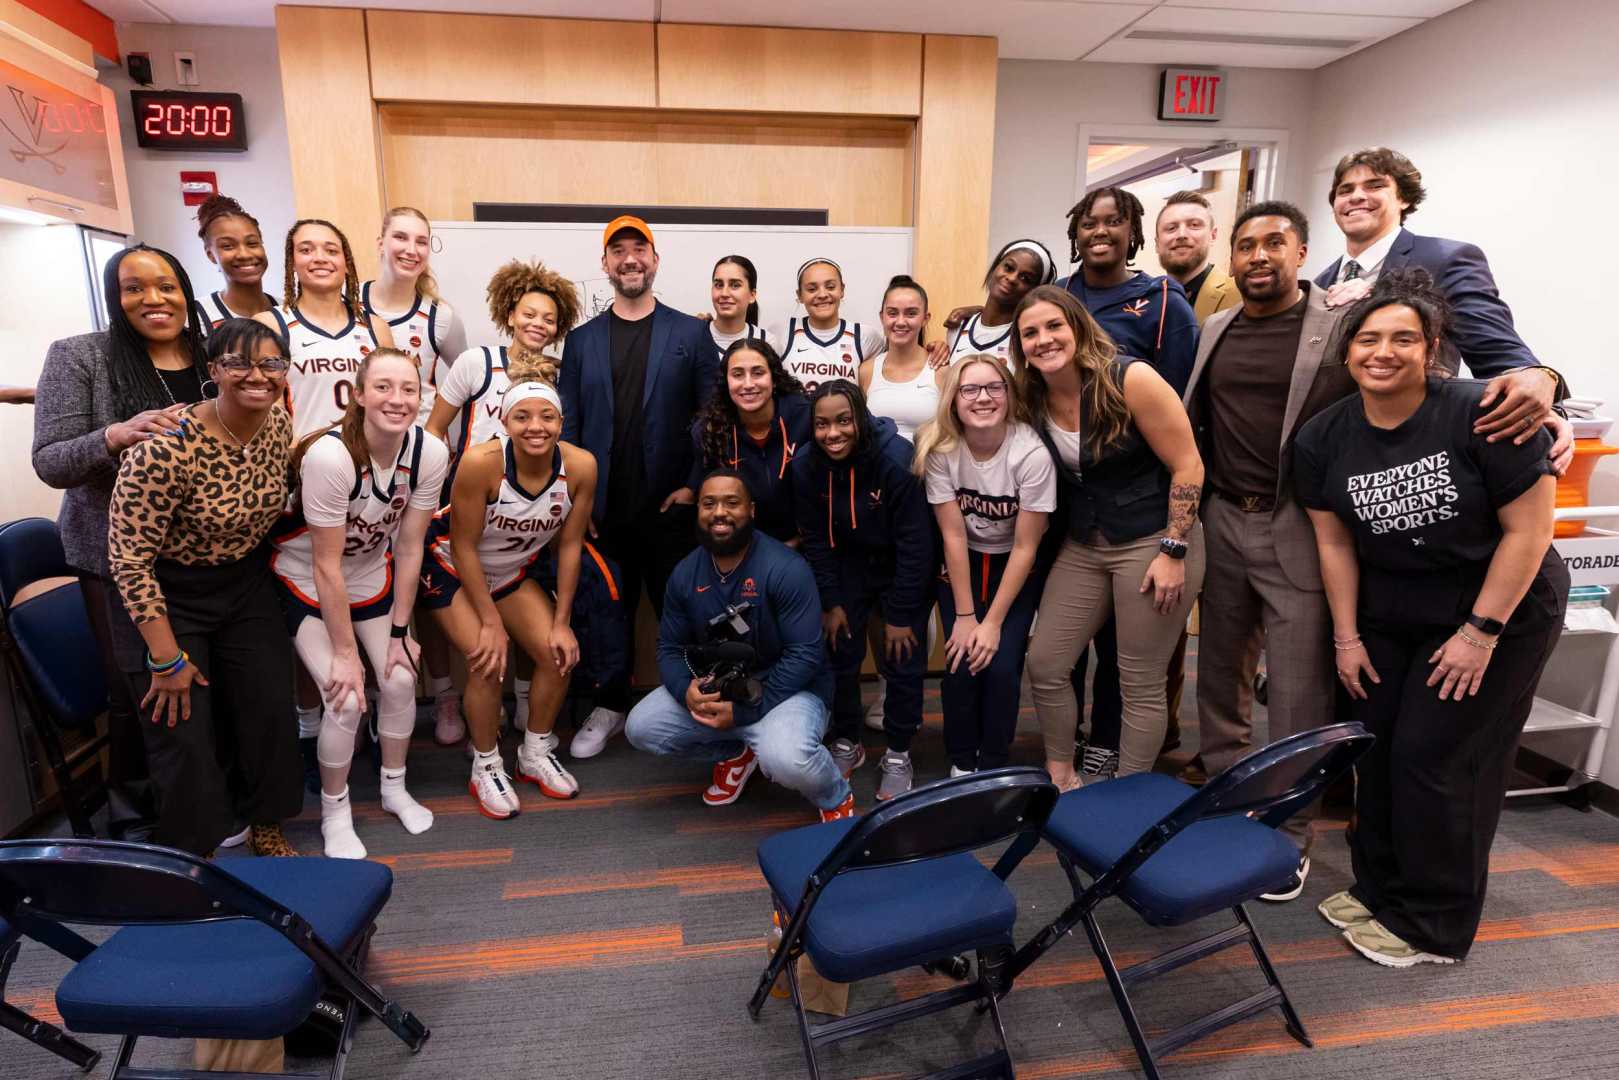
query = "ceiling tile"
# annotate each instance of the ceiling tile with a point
(1273, 23)
(1202, 55)
(1416, 9)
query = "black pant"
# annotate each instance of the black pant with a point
(647, 547)
(1430, 790)
(981, 711)
(229, 620)
(131, 805)
(902, 707)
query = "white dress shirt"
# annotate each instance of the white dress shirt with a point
(1370, 260)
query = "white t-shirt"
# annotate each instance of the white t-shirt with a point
(749, 331)
(909, 404)
(1067, 444)
(991, 493)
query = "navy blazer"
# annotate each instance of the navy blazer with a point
(1481, 328)
(680, 371)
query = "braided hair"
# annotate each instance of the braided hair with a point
(1127, 205)
(865, 429)
(351, 276)
(136, 385)
(719, 418)
(217, 206)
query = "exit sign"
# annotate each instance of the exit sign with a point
(1192, 94)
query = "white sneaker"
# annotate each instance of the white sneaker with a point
(448, 727)
(955, 772)
(874, 714)
(492, 788)
(601, 725)
(236, 841)
(1290, 889)
(538, 765)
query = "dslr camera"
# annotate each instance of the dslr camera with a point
(724, 661)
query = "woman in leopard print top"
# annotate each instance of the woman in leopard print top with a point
(185, 544)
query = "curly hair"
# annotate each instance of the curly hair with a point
(507, 288)
(351, 276)
(1410, 287)
(1104, 418)
(426, 283)
(1384, 162)
(1126, 204)
(718, 419)
(217, 206)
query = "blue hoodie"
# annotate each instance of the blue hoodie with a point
(867, 517)
(1147, 317)
(784, 615)
(767, 466)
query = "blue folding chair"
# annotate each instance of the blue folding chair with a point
(1176, 853)
(54, 659)
(42, 1034)
(203, 952)
(896, 888)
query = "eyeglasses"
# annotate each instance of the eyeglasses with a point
(237, 364)
(970, 391)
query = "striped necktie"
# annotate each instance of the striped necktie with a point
(1351, 270)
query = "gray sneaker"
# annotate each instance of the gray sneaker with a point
(1095, 761)
(896, 775)
(847, 755)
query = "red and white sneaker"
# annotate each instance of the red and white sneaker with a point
(844, 809)
(730, 777)
(492, 789)
(448, 727)
(537, 764)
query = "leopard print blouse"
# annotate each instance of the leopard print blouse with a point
(195, 499)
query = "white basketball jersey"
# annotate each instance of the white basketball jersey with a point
(516, 525)
(321, 379)
(212, 311)
(416, 333)
(973, 337)
(376, 505)
(474, 386)
(813, 360)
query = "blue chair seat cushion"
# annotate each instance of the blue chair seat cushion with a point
(870, 922)
(232, 979)
(1212, 865)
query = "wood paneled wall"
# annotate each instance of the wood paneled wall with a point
(444, 158)
(332, 122)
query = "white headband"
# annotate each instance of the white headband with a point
(1047, 272)
(812, 262)
(524, 391)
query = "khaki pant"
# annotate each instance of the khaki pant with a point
(1087, 585)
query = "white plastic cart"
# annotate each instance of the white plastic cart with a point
(1592, 559)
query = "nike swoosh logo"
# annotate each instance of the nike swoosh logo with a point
(704, 588)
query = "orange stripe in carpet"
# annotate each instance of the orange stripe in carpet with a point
(689, 880)
(40, 1004)
(1580, 866)
(522, 956)
(446, 860)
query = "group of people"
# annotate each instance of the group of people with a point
(262, 491)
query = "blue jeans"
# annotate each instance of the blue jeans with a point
(787, 740)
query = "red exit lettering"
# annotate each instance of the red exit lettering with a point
(1195, 95)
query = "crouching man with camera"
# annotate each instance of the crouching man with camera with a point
(745, 681)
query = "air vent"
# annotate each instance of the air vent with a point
(1201, 38)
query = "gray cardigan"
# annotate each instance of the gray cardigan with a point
(73, 406)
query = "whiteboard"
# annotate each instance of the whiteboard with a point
(467, 253)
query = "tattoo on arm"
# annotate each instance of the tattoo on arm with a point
(1183, 500)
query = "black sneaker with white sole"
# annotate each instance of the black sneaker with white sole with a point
(1293, 887)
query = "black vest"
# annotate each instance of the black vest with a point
(1124, 494)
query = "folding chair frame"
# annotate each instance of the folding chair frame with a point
(231, 899)
(1339, 746)
(42, 1034)
(992, 977)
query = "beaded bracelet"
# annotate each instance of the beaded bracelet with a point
(168, 667)
(1488, 646)
(1346, 644)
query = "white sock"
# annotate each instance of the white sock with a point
(415, 817)
(540, 743)
(308, 722)
(521, 687)
(438, 685)
(337, 827)
(482, 758)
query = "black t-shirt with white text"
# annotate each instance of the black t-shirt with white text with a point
(1420, 499)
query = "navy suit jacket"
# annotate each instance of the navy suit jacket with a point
(1481, 328)
(680, 366)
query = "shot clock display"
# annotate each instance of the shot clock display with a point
(185, 120)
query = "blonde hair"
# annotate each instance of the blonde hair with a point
(1104, 416)
(943, 433)
(426, 283)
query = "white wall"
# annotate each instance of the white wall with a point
(1040, 104)
(1507, 107)
(236, 59)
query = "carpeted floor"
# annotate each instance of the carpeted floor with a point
(619, 936)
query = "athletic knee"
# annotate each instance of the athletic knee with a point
(652, 724)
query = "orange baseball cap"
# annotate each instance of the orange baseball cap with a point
(627, 221)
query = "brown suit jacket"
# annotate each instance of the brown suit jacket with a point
(1218, 293)
(1316, 384)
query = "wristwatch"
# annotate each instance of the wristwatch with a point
(1486, 625)
(1175, 549)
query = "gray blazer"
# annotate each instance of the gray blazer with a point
(1316, 384)
(73, 406)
